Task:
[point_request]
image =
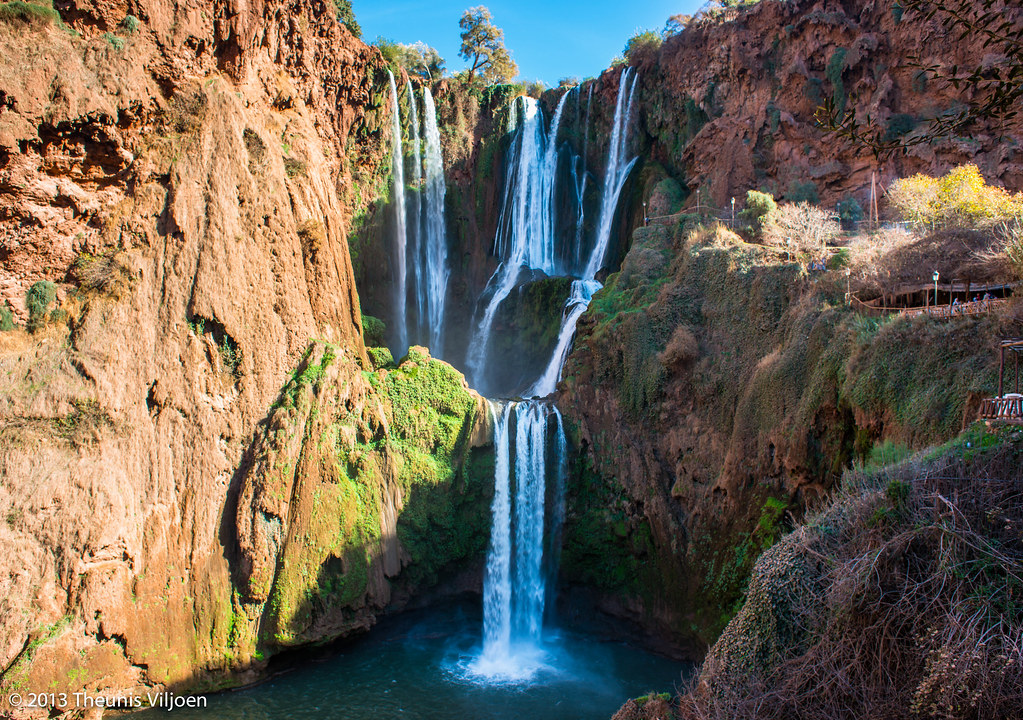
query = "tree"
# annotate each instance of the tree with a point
(959, 198)
(346, 16)
(416, 59)
(991, 91)
(483, 47)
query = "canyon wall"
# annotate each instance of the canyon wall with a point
(185, 175)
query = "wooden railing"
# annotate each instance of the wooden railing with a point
(943, 312)
(1002, 408)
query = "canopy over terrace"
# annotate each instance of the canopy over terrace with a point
(1007, 406)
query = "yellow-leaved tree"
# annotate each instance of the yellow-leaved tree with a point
(961, 197)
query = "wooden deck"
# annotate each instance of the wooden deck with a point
(1003, 408)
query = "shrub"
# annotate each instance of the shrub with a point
(30, 12)
(373, 330)
(899, 125)
(1011, 234)
(800, 192)
(849, 210)
(681, 349)
(836, 65)
(959, 198)
(805, 226)
(130, 24)
(6, 319)
(760, 208)
(417, 59)
(114, 41)
(38, 300)
(642, 47)
(101, 273)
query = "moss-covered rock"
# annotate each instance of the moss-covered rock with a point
(361, 484)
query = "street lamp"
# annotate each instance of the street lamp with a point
(645, 218)
(733, 213)
(935, 288)
(848, 290)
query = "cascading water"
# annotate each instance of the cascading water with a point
(415, 210)
(400, 220)
(618, 167)
(516, 581)
(525, 232)
(436, 247)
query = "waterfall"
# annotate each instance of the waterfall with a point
(525, 231)
(436, 249)
(415, 210)
(400, 220)
(618, 167)
(580, 183)
(617, 171)
(516, 580)
(497, 592)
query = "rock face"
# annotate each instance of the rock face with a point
(730, 106)
(187, 174)
(714, 390)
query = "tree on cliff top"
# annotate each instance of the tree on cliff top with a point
(992, 90)
(483, 47)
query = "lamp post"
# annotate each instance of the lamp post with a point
(645, 218)
(733, 213)
(848, 290)
(935, 276)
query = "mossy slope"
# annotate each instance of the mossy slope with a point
(715, 388)
(363, 485)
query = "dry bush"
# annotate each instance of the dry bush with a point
(1010, 234)
(873, 260)
(903, 599)
(104, 274)
(803, 226)
(681, 349)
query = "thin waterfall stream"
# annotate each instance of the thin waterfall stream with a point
(400, 224)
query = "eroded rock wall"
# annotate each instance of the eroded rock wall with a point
(186, 174)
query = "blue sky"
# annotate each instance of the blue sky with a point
(549, 39)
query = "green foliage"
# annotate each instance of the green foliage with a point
(759, 210)
(373, 331)
(898, 125)
(605, 544)
(130, 24)
(799, 192)
(417, 59)
(849, 210)
(6, 319)
(642, 46)
(483, 48)
(115, 41)
(380, 357)
(346, 16)
(30, 12)
(38, 300)
(835, 68)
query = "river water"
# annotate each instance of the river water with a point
(418, 666)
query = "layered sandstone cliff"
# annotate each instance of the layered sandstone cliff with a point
(186, 174)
